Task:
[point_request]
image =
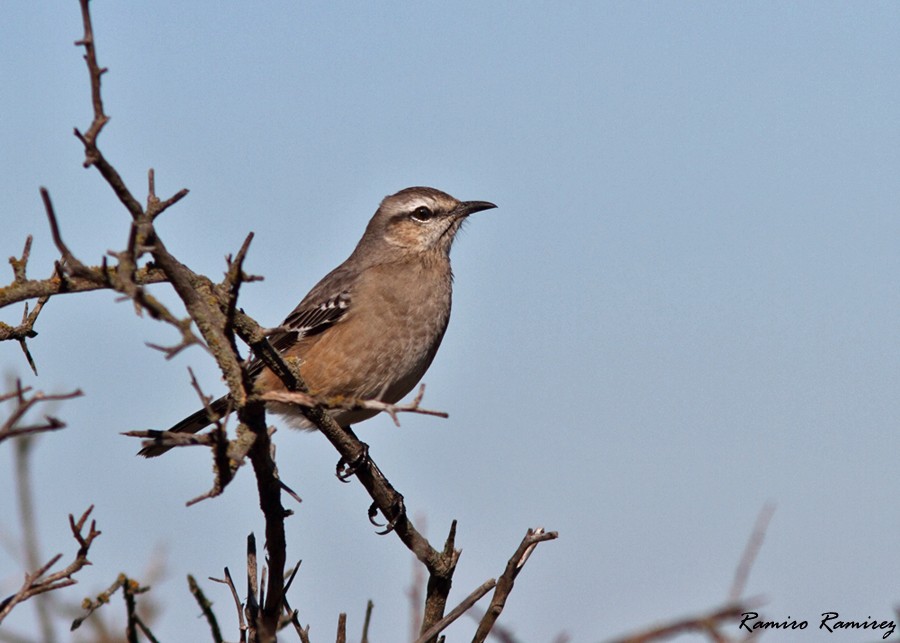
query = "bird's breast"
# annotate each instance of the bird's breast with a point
(389, 337)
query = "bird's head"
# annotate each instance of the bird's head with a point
(420, 220)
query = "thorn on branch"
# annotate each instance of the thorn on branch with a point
(19, 266)
(25, 330)
(74, 266)
(155, 207)
(11, 427)
(290, 615)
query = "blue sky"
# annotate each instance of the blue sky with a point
(685, 306)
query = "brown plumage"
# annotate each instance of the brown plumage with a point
(372, 326)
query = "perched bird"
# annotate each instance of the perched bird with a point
(371, 327)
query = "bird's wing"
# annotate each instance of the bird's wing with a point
(324, 306)
(311, 318)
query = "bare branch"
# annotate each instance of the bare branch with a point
(205, 607)
(130, 588)
(92, 153)
(416, 594)
(155, 207)
(72, 263)
(291, 615)
(32, 289)
(25, 330)
(352, 404)
(704, 623)
(20, 266)
(507, 580)
(30, 539)
(237, 602)
(366, 622)
(458, 611)
(41, 580)
(742, 573)
(24, 403)
(341, 628)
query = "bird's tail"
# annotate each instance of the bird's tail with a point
(191, 424)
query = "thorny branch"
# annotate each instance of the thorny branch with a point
(24, 403)
(41, 580)
(25, 329)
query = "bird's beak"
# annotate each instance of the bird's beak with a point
(466, 208)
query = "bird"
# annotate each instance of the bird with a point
(372, 326)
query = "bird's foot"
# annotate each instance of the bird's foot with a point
(344, 470)
(398, 510)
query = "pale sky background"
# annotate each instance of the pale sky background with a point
(685, 306)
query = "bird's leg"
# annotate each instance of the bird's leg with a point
(344, 470)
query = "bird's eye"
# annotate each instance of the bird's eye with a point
(421, 214)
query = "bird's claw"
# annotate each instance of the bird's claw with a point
(398, 509)
(345, 470)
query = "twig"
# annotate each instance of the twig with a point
(103, 598)
(223, 467)
(34, 288)
(20, 266)
(205, 607)
(706, 623)
(458, 611)
(252, 606)
(30, 538)
(72, 263)
(11, 427)
(508, 578)
(25, 330)
(365, 632)
(416, 593)
(92, 154)
(742, 573)
(291, 615)
(41, 581)
(155, 207)
(341, 628)
(130, 588)
(237, 602)
(124, 278)
(352, 404)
